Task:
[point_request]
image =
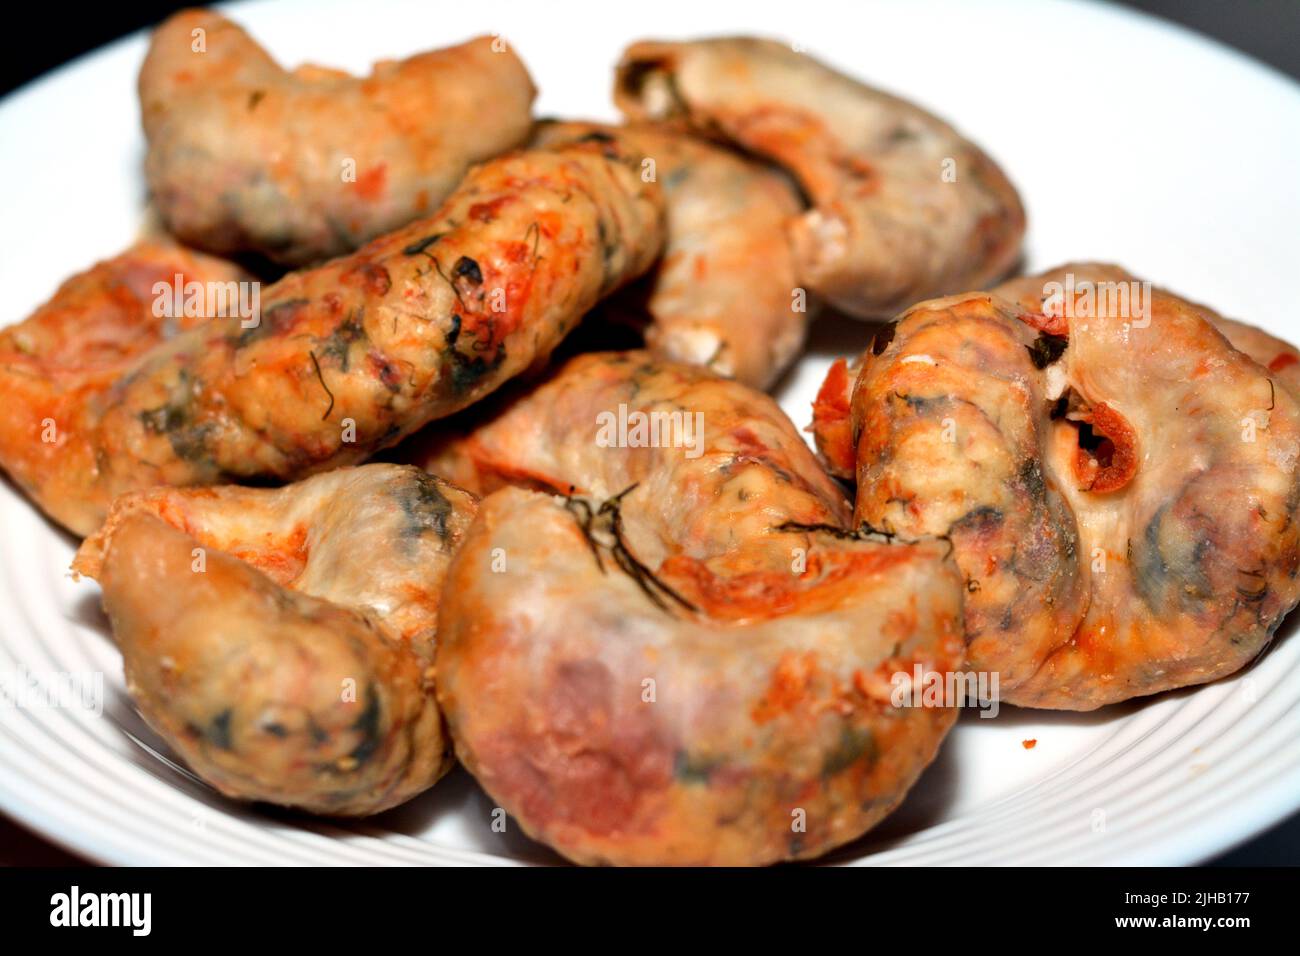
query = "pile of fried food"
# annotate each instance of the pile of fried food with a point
(622, 591)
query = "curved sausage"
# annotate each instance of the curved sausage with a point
(725, 294)
(69, 353)
(1120, 484)
(282, 641)
(304, 165)
(351, 356)
(904, 208)
(686, 658)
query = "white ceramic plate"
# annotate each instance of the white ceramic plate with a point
(1130, 140)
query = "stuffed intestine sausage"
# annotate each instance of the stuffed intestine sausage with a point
(1119, 483)
(299, 166)
(725, 295)
(282, 641)
(347, 358)
(677, 652)
(903, 207)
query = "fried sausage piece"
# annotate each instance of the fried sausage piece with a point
(904, 208)
(72, 350)
(1280, 358)
(301, 166)
(1120, 484)
(688, 659)
(725, 294)
(832, 426)
(281, 641)
(351, 356)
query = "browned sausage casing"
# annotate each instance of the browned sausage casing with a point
(304, 165)
(725, 294)
(1119, 483)
(904, 208)
(282, 641)
(687, 659)
(349, 357)
(68, 355)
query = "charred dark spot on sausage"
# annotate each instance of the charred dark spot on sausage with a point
(467, 371)
(467, 268)
(863, 532)
(1046, 349)
(318, 733)
(1253, 586)
(633, 77)
(533, 236)
(416, 248)
(191, 442)
(452, 284)
(162, 419)
(880, 341)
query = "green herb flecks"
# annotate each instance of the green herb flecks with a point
(467, 371)
(603, 529)
(175, 420)
(424, 507)
(336, 349)
(855, 744)
(419, 247)
(315, 363)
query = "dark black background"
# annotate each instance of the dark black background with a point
(359, 911)
(50, 34)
